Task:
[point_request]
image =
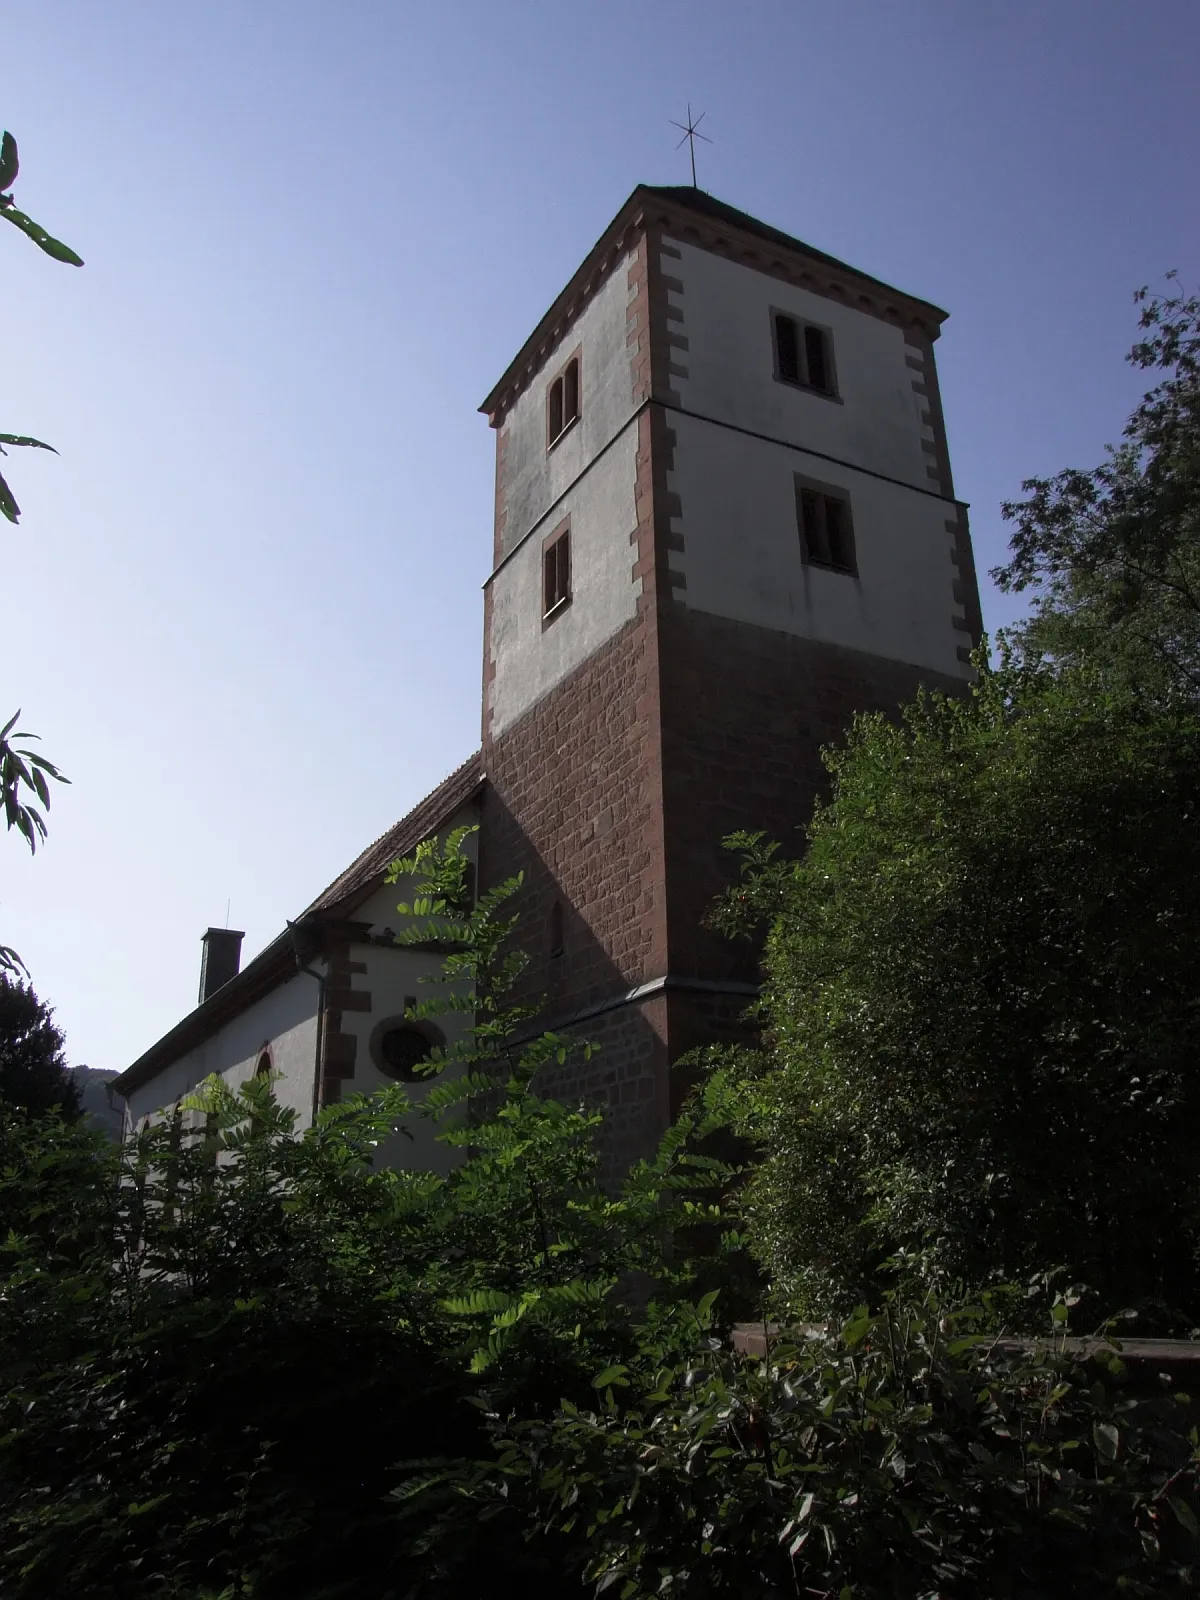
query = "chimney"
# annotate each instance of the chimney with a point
(221, 959)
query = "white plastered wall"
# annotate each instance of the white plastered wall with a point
(283, 1021)
(529, 658)
(534, 477)
(395, 975)
(742, 555)
(726, 317)
(741, 438)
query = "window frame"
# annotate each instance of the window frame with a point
(827, 491)
(801, 324)
(560, 379)
(554, 606)
(433, 1036)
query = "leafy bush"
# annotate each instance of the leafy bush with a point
(218, 1342)
(908, 1454)
(980, 1016)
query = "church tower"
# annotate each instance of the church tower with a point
(724, 523)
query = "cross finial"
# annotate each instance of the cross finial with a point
(690, 134)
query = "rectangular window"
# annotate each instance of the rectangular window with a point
(814, 359)
(803, 354)
(562, 402)
(787, 350)
(826, 532)
(556, 573)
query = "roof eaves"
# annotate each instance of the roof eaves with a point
(255, 979)
(599, 260)
(366, 872)
(282, 958)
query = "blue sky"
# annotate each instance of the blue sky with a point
(243, 607)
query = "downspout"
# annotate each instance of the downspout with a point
(319, 1060)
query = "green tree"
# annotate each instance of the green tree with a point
(237, 1364)
(1111, 556)
(33, 1069)
(219, 1343)
(980, 1003)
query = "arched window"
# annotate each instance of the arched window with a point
(563, 401)
(571, 392)
(263, 1066)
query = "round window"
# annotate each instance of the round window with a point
(401, 1051)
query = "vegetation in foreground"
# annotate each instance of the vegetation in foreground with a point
(235, 1362)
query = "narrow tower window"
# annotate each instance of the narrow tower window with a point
(815, 359)
(803, 354)
(556, 930)
(556, 573)
(787, 350)
(826, 532)
(563, 402)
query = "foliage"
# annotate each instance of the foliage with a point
(218, 1344)
(33, 1069)
(1112, 555)
(54, 248)
(22, 767)
(25, 795)
(980, 1010)
(913, 1453)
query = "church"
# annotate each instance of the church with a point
(724, 523)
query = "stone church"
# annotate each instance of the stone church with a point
(724, 522)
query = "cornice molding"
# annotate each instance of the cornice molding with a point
(710, 225)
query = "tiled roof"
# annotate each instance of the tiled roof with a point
(278, 961)
(367, 871)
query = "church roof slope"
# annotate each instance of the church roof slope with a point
(599, 260)
(278, 961)
(708, 205)
(367, 871)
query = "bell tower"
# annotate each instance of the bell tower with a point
(725, 522)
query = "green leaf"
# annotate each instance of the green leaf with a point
(609, 1376)
(25, 440)
(1106, 1439)
(1184, 1515)
(9, 165)
(8, 502)
(44, 241)
(704, 1309)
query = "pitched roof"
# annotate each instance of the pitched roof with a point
(367, 871)
(599, 260)
(708, 205)
(280, 959)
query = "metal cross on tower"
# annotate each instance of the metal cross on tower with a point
(690, 134)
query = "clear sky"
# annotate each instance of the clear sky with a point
(243, 607)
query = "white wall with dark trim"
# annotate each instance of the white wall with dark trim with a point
(726, 318)
(529, 658)
(742, 552)
(535, 477)
(285, 1021)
